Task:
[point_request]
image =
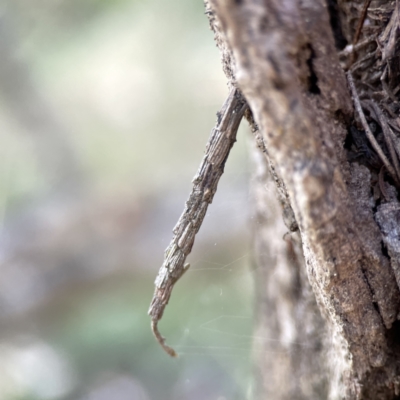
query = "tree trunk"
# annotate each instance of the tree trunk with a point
(328, 293)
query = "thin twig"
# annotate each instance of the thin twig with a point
(358, 30)
(363, 62)
(161, 340)
(367, 129)
(389, 110)
(204, 187)
(350, 48)
(395, 140)
(395, 125)
(361, 21)
(388, 138)
(390, 35)
(386, 86)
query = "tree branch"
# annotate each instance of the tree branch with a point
(205, 183)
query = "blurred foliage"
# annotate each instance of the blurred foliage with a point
(131, 88)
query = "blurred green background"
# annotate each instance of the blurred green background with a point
(105, 109)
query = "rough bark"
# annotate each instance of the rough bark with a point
(205, 184)
(287, 57)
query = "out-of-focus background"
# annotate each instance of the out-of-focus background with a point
(105, 109)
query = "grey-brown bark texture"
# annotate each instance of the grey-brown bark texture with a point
(205, 184)
(328, 297)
